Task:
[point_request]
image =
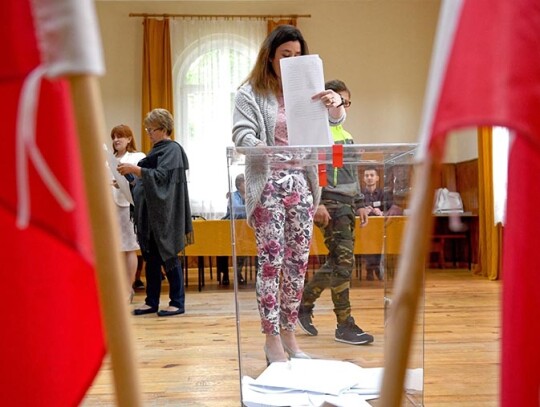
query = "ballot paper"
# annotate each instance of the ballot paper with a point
(307, 119)
(316, 375)
(318, 382)
(312, 382)
(122, 182)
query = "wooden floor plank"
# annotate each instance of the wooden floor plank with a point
(192, 359)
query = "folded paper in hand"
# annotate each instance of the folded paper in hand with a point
(447, 202)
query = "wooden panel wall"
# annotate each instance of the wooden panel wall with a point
(467, 181)
(447, 177)
(463, 178)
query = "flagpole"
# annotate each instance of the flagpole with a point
(409, 280)
(111, 272)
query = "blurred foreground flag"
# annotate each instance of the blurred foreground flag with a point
(52, 343)
(486, 71)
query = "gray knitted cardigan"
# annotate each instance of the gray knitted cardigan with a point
(254, 119)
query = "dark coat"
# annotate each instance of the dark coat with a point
(162, 201)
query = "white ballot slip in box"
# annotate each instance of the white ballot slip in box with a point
(307, 119)
(313, 383)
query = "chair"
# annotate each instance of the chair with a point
(438, 246)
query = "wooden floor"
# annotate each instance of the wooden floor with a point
(192, 359)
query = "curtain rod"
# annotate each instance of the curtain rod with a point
(261, 16)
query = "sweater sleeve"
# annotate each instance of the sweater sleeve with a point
(246, 131)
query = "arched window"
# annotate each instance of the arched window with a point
(212, 61)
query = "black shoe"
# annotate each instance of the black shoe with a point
(138, 285)
(166, 313)
(225, 281)
(352, 334)
(142, 311)
(305, 322)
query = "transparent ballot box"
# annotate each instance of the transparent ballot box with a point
(338, 372)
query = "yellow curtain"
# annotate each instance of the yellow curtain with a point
(157, 90)
(490, 241)
(273, 24)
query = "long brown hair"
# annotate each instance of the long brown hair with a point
(262, 77)
(124, 131)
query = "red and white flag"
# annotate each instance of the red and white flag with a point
(52, 343)
(486, 71)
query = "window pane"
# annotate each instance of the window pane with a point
(208, 79)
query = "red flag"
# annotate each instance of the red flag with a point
(491, 76)
(52, 344)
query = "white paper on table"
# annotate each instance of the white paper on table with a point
(119, 178)
(307, 119)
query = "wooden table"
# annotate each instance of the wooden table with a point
(380, 236)
(213, 238)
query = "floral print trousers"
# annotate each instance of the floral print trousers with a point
(283, 221)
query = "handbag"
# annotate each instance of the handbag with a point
(447, 201)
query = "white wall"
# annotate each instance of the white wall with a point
(381, 49)
(461, 146)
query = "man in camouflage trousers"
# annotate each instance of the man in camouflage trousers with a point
(340, 202)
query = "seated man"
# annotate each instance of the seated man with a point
(378, 203)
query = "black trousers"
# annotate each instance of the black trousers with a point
(223, 267)
(175, 277)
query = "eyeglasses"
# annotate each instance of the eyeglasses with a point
(346, 103)
(150, 131)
